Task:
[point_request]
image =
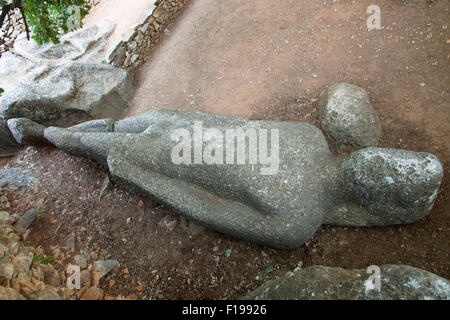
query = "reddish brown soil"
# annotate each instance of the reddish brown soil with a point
(405, 69)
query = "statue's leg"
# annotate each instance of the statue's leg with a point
(195, 203)
(158, 121)
(91, 145)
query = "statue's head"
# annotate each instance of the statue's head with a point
(390, 185)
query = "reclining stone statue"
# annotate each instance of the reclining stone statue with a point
(370, 187)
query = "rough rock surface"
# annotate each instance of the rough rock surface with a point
(322, 283)
(283, 209)
(16, 178)
(27, 132)
(347, 116)
(62, 95)
(102, 268)
(63, 84)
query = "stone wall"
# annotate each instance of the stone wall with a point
(140, 41)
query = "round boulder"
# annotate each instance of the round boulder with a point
(347, 116)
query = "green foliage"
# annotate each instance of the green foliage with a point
(1, 91)
(228, 252)
(44, 260)
(51, 18)
(269, 269)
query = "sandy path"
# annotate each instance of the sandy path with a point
(124, 13)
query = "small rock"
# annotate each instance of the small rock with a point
(5, 218)
(81, 261)
(85, 277)
(15, 217)
(132, 45)
(39, 251)
(22, 265)
(13, 247)
(47, 293)
(6, 271)
(102, 268)
(51, 276)
(3, 250)
(169, 224)
(56, 253)
(10, 294)
(134, 57)
(93, 293)
(70, 242)
(140, 288)
(105, 186)
(26, 220)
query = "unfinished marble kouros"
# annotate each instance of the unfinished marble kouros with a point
(370, 187)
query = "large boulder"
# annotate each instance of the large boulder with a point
(86, 45)
(63, 95)
(347, 116)
(326, 283)
(63, 84)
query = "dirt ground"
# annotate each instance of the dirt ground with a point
(404, 67)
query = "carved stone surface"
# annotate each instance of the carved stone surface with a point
(26, 131)
(370, 187)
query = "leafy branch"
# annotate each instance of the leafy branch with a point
(48, 18)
